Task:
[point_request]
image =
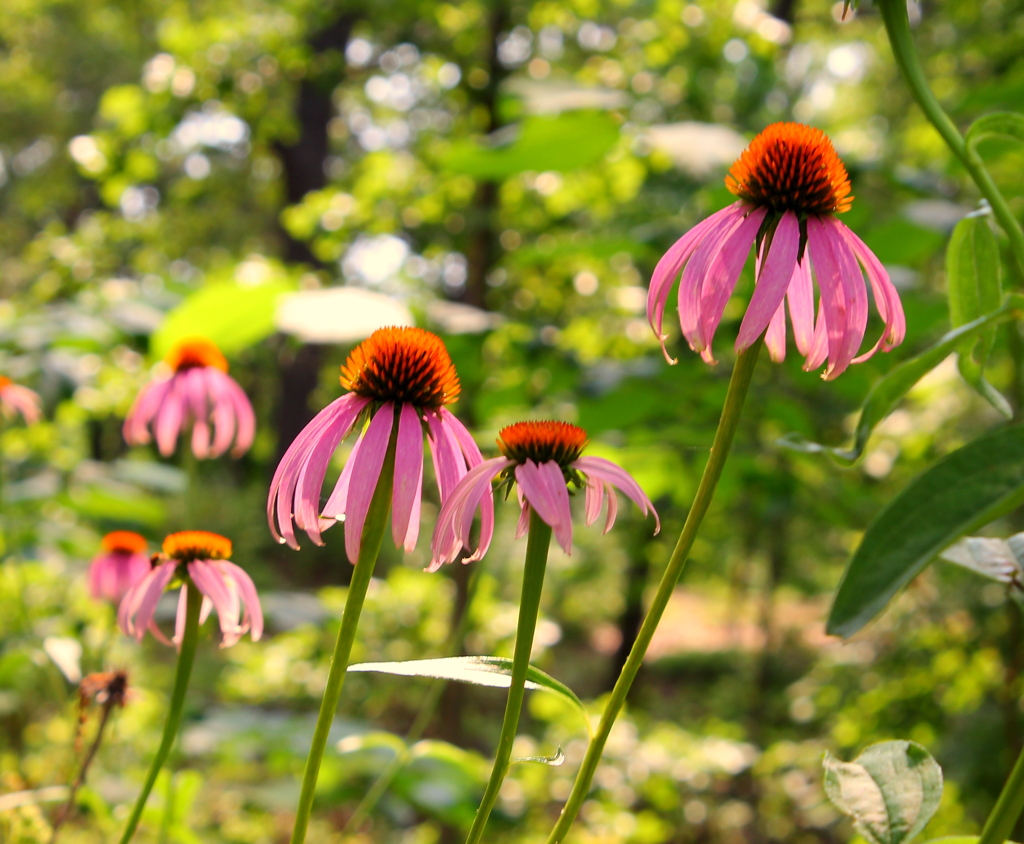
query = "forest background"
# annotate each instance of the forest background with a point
(169, 168)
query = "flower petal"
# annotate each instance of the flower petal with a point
(543, 486)
(365, 475)
(669, 268)
(408, 489)
(247, 590)
(772, 282)
(800, 298)
(465, 498)
(286, 477)
(610, 473)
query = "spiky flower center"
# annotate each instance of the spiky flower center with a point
(542, 441)
(124, 542)
(195, 352)
(791, 167)
(104, 687)
(5, 381)
(402, 365)
(191, 545)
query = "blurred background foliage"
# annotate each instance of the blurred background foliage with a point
(281, 175)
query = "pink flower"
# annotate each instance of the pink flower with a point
(17, 399)
(543, 459)
(402, 378)
(790, 183)
(201, 557)
(122, 563)
(198, 392)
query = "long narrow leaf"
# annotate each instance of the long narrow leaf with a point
(891, 390)
(961, 493)
(493, 671)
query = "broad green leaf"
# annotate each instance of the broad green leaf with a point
(234, 316)
(962, 492)
(1001, 124)
(566, 142)
(493, 671)
(891, 790)
(891, 390)
(975, 289)
(958, 839)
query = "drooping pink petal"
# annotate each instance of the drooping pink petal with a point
(613, 510)
(691, 284)
(818, 352)
(523, 525)
(470, 449)
(408, 489)
(169, 418)
(834, 305)
(594, 501)
(334, 510)
(775, 336)
(723, 273)
(543, 486)
(112, 574)
(223, 409)
(855, 291)
(246, 588)
(139, 604)
(180, 617)
(449, 461)
(669, 268)
(148, 401)
(306, 506)
(772, 282)
(610, 473)
(464, 499)
(800, 297)
(471, 452)
(341, 412)
(194, 388)
(365, 476)
(245, 417)
(887, 299)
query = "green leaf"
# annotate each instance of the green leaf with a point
(962, 492)
(975, 289)
(493, 671)
(234, 316)
(555, 761)
(891, 790)
(562, 143)
(1000, 124)
(891, 390)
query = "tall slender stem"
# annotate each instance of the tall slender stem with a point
(897, 27)
(738, 384)
(422, 720)
(186, 656)
(1009, 805)
(369, 549)
(537, 545)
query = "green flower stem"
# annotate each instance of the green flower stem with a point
(738, 384)
(186, 655)
(1000, 823)
(537, 545)
(897, 27)
(369, 549)
(423, 718)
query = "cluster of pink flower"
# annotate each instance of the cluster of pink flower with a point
(790, 184)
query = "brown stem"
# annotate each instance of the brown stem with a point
(67, 809)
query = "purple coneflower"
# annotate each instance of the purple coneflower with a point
(543, 459)
(397, 376)
(197, 392)
(121, 563)
(790, 184)
(201, 557)
(17, 399)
